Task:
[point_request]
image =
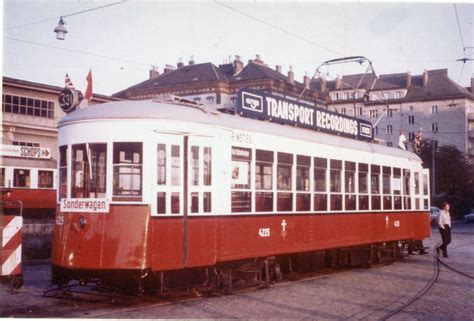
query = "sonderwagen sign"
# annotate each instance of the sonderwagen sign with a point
(256, 104)
(94, 205)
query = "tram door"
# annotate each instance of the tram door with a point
(200, 229)
(168, 181)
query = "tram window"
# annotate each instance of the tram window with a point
(2, 177)
(89, 170)
(161, 165)
(241, 159)
(127, 163)
(320, 166)
(175, 166)
(350, 173)
(302, 173)
(335, 185)
(320, 202)
(207, 171)
(194, 202)
(425, 185)
(417, 183)
(175, 203)
(406, 189)
(21, 177)
(363, 202)
(45, 179)
(285, 202)
(386, 187)
(263, 180)
(264, 201)
(363, 186)
(62, 172)
(284, 171)
(425, 204)
(264, 170)
(303, 202)
(375, 187)
(207, 202)
(194, 165)
(161, 203)
(241, 202)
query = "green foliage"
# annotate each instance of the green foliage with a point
(454, 177)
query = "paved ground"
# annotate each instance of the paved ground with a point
(360, 294)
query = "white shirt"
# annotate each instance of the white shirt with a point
(444, 218)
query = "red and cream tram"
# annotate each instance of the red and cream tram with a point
(154, 194)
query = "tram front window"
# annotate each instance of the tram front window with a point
(127, 165)
(89, 170)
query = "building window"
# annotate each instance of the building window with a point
(411, 120)
(361, 111)
(398, 94)
(410, 107)
(356, 94)
(343, 111)
(434, 127)
(2, 177)
(29, 144)
(27, 106)
(210, 100)
(21, 177)
(376, 130)
(45, 179)
(233, 100)
(335, 96)
(389, 129)
(374, 96)
(127, 171)
(373, 113)
(389, 144)
(197, 99)
(345, 96)
(434, 110)
(411, 136)
(390, 113)
(386, 95)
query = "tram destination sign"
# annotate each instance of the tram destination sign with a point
(264, 106)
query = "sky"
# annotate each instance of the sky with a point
(122, 41)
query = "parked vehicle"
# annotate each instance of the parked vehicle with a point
(434, 213)
(469, 217)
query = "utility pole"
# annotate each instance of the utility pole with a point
(434, 145)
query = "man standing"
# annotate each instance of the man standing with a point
(444, 222)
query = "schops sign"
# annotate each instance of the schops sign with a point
(280, 110)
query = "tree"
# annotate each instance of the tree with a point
(454, 177)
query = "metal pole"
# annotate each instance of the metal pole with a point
(433, 171)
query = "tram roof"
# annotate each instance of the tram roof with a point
(148, 109)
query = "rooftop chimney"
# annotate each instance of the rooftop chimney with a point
(278, 68)
(168, 69)
(258, 59)
(238, 65)
(191, 60)
(180, 63)
(306, 81)
(338, 83)
(425, 77)
(291, 76)
(154, 73)
(324, 85)
(408, 79)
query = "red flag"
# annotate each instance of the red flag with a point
(88, 93)
(68, 82)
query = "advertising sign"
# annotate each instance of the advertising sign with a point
(25, 151)
(256, 104)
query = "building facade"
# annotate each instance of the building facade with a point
(29, 151)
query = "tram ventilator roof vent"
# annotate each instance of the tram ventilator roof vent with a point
(176, 100)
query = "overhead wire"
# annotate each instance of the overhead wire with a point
(279, 28)
(64, 16)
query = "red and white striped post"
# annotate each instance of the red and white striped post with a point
(11, 229)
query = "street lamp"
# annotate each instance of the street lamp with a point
(60, 30)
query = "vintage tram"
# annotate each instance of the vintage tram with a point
(154, 195)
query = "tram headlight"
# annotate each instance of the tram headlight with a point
(82, 222)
